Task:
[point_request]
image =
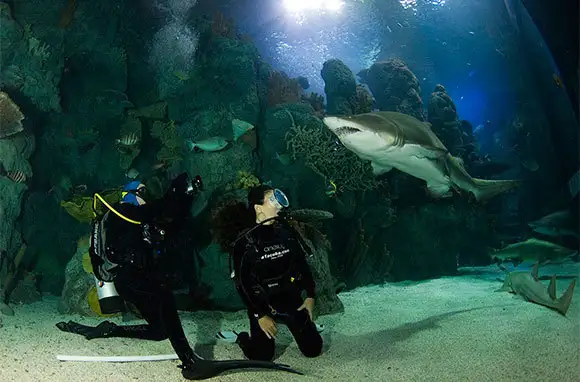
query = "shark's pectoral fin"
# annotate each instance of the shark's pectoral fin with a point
(506, 287)
(535, 270)
(438, 190)
(552, 288)
(379, 169)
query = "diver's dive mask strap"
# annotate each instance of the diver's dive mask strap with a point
(279, 199)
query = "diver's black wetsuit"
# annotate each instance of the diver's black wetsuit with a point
(141, 280)
(270, 273)
(141, 277)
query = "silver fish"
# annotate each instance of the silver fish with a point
(210, 144)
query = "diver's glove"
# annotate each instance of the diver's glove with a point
(180, 184)
(103, 330)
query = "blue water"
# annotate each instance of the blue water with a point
(454, 43)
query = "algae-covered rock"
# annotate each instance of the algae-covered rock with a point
(424, 241)
(340, 88)
(394, 87)
(75, 297)
(171, 144)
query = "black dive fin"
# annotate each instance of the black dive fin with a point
(203, 369)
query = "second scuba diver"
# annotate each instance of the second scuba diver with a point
(270, 273)
(129, 247)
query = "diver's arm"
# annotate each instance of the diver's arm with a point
(249, 289)
(307, 281)
(173, 208)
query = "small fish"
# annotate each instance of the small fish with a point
(284, 159)
(158, 166)
(558, 80)
(181, 75)
(472, 33)
(530, 164)
(331, 188)
(128, 140)
(80, 189)
(239, 128)
(132, 173)
(15, 176)
(210, 144)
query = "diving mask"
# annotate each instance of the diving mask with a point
(279, 199)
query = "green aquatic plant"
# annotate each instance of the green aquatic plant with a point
(171, 145)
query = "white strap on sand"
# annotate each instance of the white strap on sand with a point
(126, 358)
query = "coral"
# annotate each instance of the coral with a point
(37, 69)
(282, 89)
(157, 110)
(222, 26)
(80, 208)
(246, 180)
(364, 100)
(10, 117)
(171, 149)
(315, 100)
(324, 155)
(85, 208)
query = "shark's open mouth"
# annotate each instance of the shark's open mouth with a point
(345, 130)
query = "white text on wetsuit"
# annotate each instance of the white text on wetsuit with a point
(274, 251)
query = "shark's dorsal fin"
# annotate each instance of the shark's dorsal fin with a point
(411, 130)
(535, 270)
(552, 288)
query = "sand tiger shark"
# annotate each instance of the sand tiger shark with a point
(394, 140)
(527, 285)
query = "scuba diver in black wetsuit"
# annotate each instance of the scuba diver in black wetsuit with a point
(270, 273)
(133, 257)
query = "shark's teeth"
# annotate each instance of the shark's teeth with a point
(344, 130)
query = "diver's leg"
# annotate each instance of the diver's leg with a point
(305, 333)
(156, 304)
(256, 345)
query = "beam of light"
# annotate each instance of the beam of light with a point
(412, 4)
(315, 5)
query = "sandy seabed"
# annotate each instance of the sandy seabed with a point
(447, 329)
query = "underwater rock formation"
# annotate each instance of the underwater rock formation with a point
(442, 114)
(15, 171)
(340, 88)
(32, 57)
(425, 243)
(394, 87)
(78, 283)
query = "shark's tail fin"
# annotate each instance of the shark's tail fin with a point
(485, 189)
(566, 299)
